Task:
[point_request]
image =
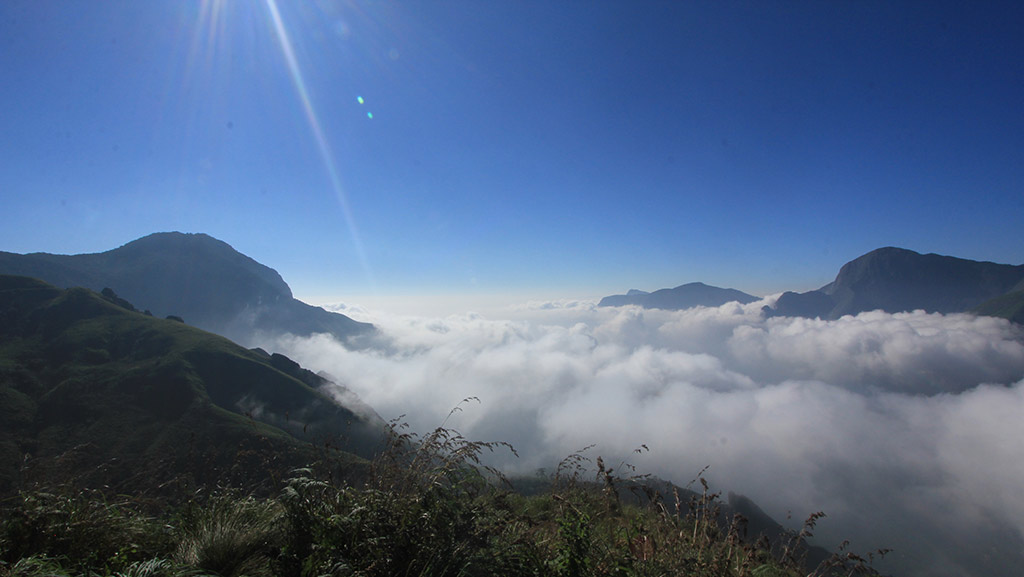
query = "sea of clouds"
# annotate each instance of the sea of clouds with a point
(906, 429)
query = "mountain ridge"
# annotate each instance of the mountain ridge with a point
(195, 276)
(900, 280)
(681, 297)
(118, 392)
(891, 279)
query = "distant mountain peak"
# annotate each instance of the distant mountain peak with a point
(896, 279)
(176, 237)
(681, 297)
(891, 250)
(195, 276)
(173, 248)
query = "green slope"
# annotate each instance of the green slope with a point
(93, 392)
(1008, 306)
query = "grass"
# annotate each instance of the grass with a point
(231, 536)
(427, 508)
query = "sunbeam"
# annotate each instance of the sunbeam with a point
(323, 145)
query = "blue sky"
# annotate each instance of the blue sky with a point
(543, 148)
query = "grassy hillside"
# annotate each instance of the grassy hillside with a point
(1008, 306)
(94, 391)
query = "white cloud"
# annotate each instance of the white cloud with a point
(904, 428)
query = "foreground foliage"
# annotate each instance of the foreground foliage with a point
(428, 508)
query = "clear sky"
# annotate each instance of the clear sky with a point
(559, 148)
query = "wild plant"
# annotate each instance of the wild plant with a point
(35, 566)
(573, 556)
(410, 463)
(428, 508)
(231, 535)
(79, 528)
(846, 563)
(794, 547)
(158, 567)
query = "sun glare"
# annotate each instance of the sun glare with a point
(208, 39)
(323, 144)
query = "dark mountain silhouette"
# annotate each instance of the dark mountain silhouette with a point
(810, 304)
(897, 280)
(102, 395)
(193, 276)
(682, 297)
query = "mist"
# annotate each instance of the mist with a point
(903, 428)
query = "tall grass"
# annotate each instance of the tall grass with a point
(428, 508)
(231, 536)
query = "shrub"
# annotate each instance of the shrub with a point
(428, 508)
(231, 536)
(83, 529)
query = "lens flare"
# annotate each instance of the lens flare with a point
(323, 145)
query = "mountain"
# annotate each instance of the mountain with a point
(682, 297)
(92, 390)
(811, 304)
(898, 280)
(193, 276)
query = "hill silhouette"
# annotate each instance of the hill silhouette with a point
(899, 280)
(681, 297)
(105, 396)
(193, 276)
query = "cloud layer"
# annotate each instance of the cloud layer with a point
(904, 428)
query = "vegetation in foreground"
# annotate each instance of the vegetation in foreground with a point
(428, 508)
(116, 429)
